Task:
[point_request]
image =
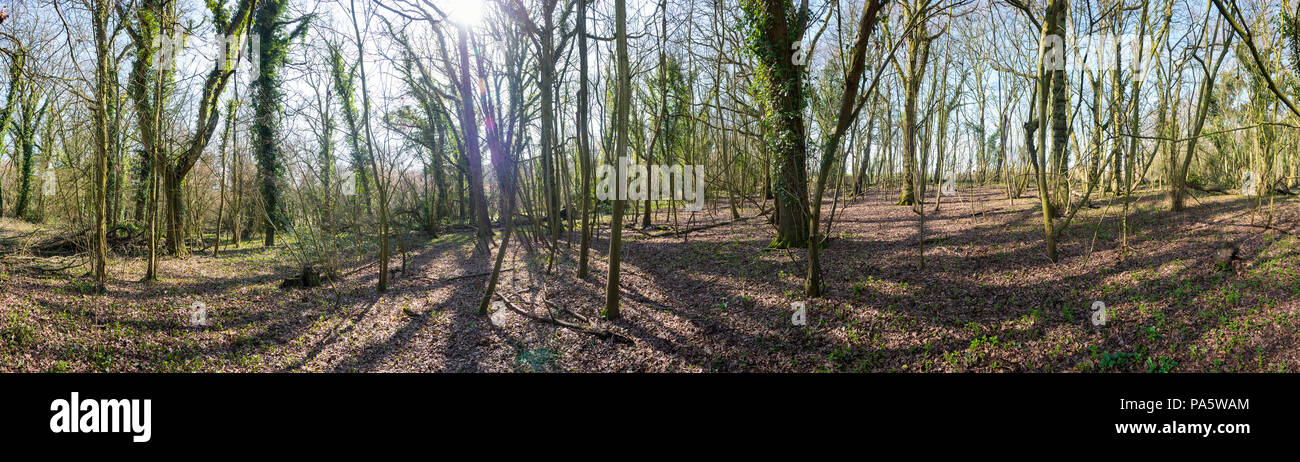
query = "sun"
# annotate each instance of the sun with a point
(467, 12)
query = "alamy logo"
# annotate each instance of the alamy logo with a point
(949, 187)
(102, 416)
(799, 55)
(1249, 183)
(198, 314)
(49, 182)
(1098, 313)
(1100, 53)
(348, 183)
(227, 50)
(657, 182)
(168, 48)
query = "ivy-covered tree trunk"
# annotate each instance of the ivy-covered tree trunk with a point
(32, 112)
(775, 26)
(430, 133)
(143, 183)
(442, 204)
(6, 113)
(148, 85)
(343, 85)
(269, 25)
(29, 115)
(25, 151)
(155, 19)
(115, 158)
(226, 141)
(864, 160)
(173, 195)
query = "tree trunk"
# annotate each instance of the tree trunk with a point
(611, 310)
(469, 127)
(384, 250)
(173, 193)
(1178, 180)
(813, 283)
(546, 65)
(918, 49)
(101, 12)
(784, 96)
(584, 148)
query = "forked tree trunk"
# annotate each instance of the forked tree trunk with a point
(846, 115)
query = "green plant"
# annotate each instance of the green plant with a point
(1161, 365)
(1117, 360)
(536, 359)
(858, 288)
(984, 341)
(83, 286)
(16, 331)
(60, 367)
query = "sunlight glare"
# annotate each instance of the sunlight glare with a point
(467, 12)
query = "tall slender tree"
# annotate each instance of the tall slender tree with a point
(622, 108)
(584, 141)
(848, 111)
(103, 81)
(380, 186)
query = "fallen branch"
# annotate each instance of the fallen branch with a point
(592, 330)
(1207, 189)
(701, 228)
(14, 240)
(476, 275)
(52, 269)
(360, 268)
(1279, 186)
(45, 269)
(1245, 225)
(1266, 227)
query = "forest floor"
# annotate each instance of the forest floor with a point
(715, 300)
